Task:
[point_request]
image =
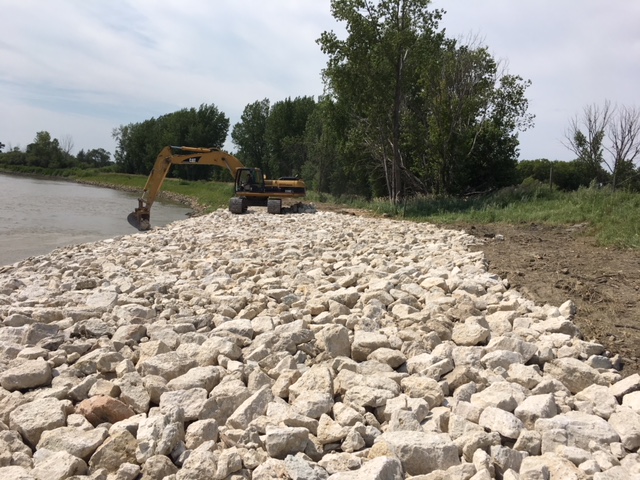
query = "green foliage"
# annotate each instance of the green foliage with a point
(566, 176)
(431, 114)
(138, 144)
(45, 152)
(249, 134)
(96, 157)
(285, 135)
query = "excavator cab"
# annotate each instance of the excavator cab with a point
(249, 180)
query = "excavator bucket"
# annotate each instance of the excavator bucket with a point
(139, 218)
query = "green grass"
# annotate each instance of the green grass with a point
(211, 195)
(613, 217)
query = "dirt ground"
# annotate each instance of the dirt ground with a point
(551, 264)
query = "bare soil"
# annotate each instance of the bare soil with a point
(553, 264)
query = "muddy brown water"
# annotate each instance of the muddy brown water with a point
(39, 215)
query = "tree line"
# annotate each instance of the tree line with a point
(52, 154)
(406, 111)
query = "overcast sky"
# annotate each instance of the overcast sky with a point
(78, 69)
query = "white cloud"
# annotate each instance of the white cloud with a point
(82, 68)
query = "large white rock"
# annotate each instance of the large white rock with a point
(380, 468)
(251, 408)
(500, 421)
(421, 453)
(59, 466)
(535, 407)
(626, 423)
(75, 441)
(29, 374)
(580, 429)
(33, 418)
(574, 374)
(283, 441)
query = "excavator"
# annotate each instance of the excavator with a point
(250, 185)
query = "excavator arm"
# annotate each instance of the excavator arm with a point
(177, 156)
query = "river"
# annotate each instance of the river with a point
(38, 215)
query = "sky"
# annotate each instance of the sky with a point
(79, 69)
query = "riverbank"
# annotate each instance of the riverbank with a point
(312, 346)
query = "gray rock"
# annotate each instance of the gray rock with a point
(535, 407)
(380, 468)
(58, 466)
(421, 453)
(33, 418)
(200, 432)
(626, 423)
(75, 441)
(334, 340)
(597, 400)
(626, 385)
(574, 374)
(192, 402)
(158, 467)
(580, 429)
(168, 365)
(119, 448)
(500, 421)
(29, 374)
(251, 408)
(364, 343)
(283, 441)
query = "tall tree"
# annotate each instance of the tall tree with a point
(249, 134)
(585, 137)
(285, 135)
(624, 135)
(435, 115)
(374, 71)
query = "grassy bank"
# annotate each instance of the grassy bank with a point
(613, 217)
(208, 195)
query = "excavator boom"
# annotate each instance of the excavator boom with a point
(250, 185)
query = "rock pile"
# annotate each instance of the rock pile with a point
(311, 346)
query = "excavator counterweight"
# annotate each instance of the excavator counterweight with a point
(250, 185)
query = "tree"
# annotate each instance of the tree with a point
(2, 145)
(66, 145)
(602, 130)
(96, 157)
(285, 136)
(373, 71)
(45, 152)
(624, 135)
(433, 115)
(471, 112)
(249, 134)
(588, 145)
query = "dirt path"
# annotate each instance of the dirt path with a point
(552, 264)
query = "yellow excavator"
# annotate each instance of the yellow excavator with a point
(251, 186)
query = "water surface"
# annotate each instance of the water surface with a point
(38, 215)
